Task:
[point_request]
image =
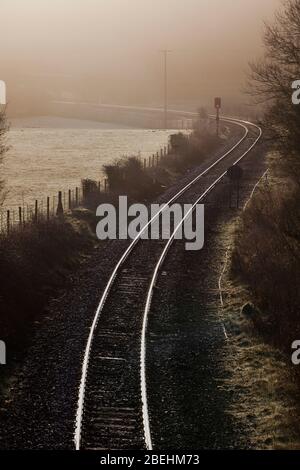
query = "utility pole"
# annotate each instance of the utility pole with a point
(165, 55)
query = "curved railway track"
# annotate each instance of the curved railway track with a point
(112, 409)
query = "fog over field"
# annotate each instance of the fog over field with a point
(109, 50)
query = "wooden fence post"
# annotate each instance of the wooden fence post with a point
(8, 221)
(36, 211)
(48, 209)
(60, 209)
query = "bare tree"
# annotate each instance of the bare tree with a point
(271, 78)
(3, 150)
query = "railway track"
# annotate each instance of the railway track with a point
(112, 409)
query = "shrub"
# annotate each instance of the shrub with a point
(267, 258)
(128, 177)
(35, 263)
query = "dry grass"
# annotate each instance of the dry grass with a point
(266, 257)
(36, 263)
(260, 375)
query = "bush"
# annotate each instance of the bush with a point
(35, 263)
(128, 177)
(189, 151)
(267, 258)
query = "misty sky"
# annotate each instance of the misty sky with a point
(109, 49)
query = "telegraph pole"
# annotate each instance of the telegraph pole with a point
(165, 54)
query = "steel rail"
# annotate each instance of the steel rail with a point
(146, 420)
(81, 394)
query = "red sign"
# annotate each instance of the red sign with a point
(218, 103)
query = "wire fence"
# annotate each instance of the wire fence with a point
(18, 216)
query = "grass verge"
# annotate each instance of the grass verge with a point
(261, 377)
(261, 313)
